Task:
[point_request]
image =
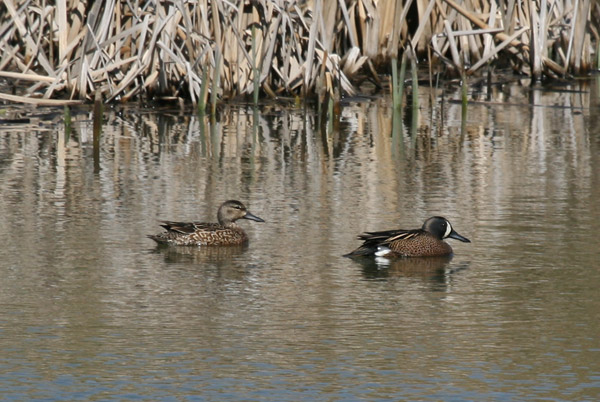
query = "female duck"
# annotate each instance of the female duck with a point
(224, 233)
(425, 242)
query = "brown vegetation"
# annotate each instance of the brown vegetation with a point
(227, 48)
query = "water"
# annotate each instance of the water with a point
(92, 310)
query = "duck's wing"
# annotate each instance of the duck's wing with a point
(388, 236)
(190, 227)
(373, 240)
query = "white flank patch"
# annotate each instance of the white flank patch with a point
(382, 251)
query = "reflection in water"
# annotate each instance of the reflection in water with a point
(90, 312)
(436, 270)
(381, 267)
(199, 255)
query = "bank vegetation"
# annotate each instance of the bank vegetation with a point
(207, 50)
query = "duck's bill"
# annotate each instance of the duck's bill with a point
(252, 217)
(456, 236)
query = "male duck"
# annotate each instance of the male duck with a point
(224, 233)
(425, 242)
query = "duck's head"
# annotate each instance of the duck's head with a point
(232, 210)
(442, 229)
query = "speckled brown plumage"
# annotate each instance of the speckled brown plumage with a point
(423, 245)
(425, 242)
(224, 233)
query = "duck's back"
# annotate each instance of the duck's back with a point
(200, 234)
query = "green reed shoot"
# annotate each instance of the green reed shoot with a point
(215, 83)
(415, 83)
(203, 90)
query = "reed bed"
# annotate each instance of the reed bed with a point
(209, 50)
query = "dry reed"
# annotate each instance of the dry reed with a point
(165, 49)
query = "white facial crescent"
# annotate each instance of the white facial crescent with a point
(448, 229)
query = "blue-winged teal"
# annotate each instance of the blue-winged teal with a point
(425, 242)
(224, 233)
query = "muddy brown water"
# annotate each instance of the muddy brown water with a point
(92, 310)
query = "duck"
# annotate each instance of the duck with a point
(224, 233)
(428, 241)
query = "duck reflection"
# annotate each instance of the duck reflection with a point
(199, 255)
(435, 269)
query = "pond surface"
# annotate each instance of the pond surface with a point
(91, 309)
